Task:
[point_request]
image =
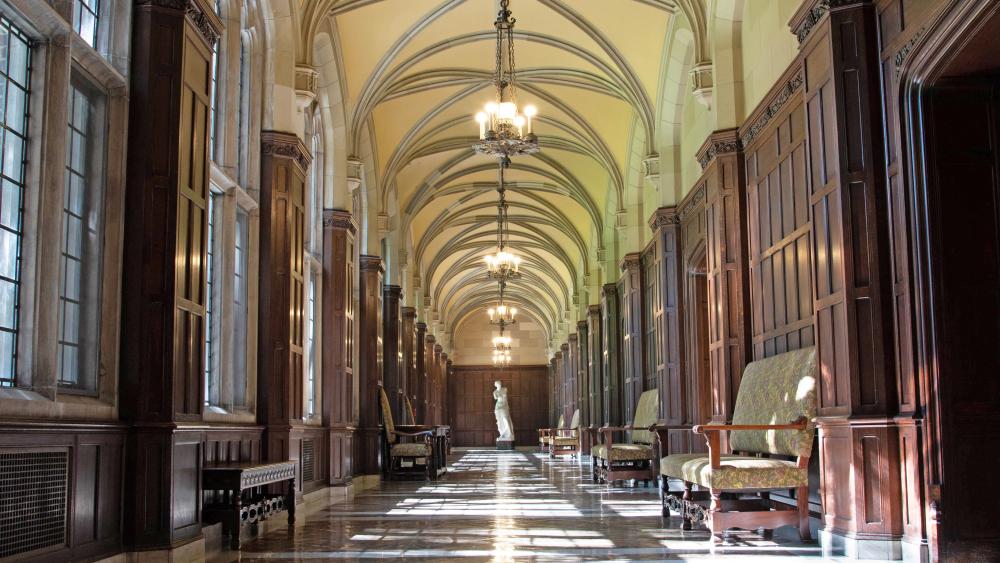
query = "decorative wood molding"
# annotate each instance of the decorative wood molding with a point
(664, 217)
(564, 347)
(692, 202)
(808, 16)
(430, 338)
(725, 141)
(905, 50)
(778, 101)
(630, 261)
(408, 312)
(282, 144)
(581, 326)
(594, 310)
(368, 262)
(203, 18)
(339, 219)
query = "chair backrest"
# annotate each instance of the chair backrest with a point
(390, 427)
(575, 423)
(645, 416)
(562, 421)
(777, 390)
(410, 410)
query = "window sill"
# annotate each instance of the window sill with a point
(24, 403)
(219, 414)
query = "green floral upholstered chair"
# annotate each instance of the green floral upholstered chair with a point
(770, 438)
(545, 434)
(399, 456)
(612, 462)
(566, 441)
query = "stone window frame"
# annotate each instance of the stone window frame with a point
(58, 54)
(313, 254)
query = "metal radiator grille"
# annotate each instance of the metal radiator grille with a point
(308, 461)
(33, 487)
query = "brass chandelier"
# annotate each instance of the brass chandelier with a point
(504, 130)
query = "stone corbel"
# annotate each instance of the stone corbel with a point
(383, 222)
(621, 219)
(353, 173)
(702, 83)
(305, 86)
(602, 254)
(651, 170)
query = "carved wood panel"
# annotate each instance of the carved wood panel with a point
(630, 288)
(473, 421)
(611, 355)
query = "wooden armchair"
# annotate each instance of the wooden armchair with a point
(771, 438)
(610, 462)
(566, 441)
(545, 435)
(398, 455)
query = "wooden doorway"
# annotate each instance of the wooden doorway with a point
(699, 385)
(954, 108)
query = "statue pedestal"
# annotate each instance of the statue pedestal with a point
(505, 444)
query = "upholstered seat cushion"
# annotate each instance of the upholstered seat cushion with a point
(411, 449)
(623, 452)
(737, 472)
(566, 440)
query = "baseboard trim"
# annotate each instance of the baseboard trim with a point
(838, 545)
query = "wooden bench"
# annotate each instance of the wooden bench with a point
(244, 498)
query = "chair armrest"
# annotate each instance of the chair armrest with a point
(606, 429)
(426, 433)
(704, 428)
(415, 428)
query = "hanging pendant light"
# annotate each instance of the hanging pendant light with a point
(504, 129)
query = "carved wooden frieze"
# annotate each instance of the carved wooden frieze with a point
(339, 219)
(281, 144)
(664, 217)
(772, 109)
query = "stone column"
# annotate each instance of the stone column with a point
(392, 350)
(853, 316)
(340, 386)
(367, 443)
(163, 297)
(408, 366)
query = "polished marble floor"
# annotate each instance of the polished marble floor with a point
(508, 506)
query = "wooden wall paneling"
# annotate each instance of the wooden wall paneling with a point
(420, 363)
(666, 308)
(449, 375)
(560, 385)
(408, 366)
(284, 164)
(652, 315)
(162, 348)
(552, 382)
(697, 373)
(727, 264)
(392, 344)
(583, 378)
(852, 272)
(631, 334)
(472, 403)
(611, 372)
(573, 374)
(366, 438)
(339, 378)
(429, 366)
(595, 408)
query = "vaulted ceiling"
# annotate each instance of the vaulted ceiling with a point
(414, 72)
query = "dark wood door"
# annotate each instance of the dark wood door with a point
(471, 396)
(965, 237)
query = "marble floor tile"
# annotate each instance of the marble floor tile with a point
(509, 506)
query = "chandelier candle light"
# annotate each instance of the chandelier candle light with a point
(503, 129)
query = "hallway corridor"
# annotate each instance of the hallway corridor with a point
(507, 506)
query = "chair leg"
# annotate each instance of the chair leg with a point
(687, 498)
(713, 509)
(802, 503)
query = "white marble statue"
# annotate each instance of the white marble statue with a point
(502, 412)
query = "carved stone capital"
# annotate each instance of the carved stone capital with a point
(664, 217)
(306, 78)
(726, 141)
(281, 144)
(339, 219)
(383, 222)
(602, 254)
(702, 83)
(354, 169)
(651, 170)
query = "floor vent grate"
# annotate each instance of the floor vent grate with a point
(33, 486)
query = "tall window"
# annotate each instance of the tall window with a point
(213, 97)
(85, 20)
(211, 369)
(80, 252)
(311, 347)
(240, 307)
(244, 100)
(15, 73)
